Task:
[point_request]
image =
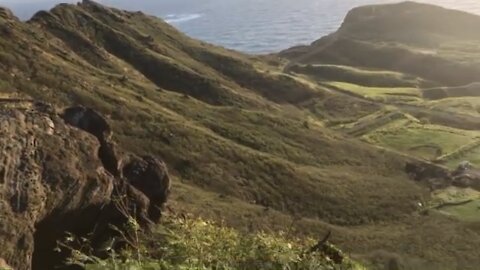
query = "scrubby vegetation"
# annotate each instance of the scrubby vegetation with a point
(190, 243)
(252, 142)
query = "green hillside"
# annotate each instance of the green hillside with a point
(404, 56)
(306, 141)
(425, 73)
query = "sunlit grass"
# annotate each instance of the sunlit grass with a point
(361, 76)
(473, 156)
(469, 212)
(379, 93)
(369, 72)
(421, 140)
(464, 105)
(460, 203)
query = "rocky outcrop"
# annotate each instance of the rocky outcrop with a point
(437, 177)
(54, 178)
(6, 14)
(150, 176)
(93, 123)
(423, 170)
(433, 175)
(88, 120)
(466, 175)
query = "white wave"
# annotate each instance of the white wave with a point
(179, 18)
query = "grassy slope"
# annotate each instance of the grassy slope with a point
(244, 144)
(429, 65)
(403, 54)
(422, 70)
(398, 37)
(362, 76)
(459, 203)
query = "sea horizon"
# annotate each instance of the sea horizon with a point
(250, 26)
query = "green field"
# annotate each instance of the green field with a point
(469, 212)
(472, 156)
(464, 105)
(422, 140)
(468, 200)
(404, 94)
(362, 76)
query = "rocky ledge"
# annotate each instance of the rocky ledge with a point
(60, 173)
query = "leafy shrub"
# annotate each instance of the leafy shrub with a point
(198, 244)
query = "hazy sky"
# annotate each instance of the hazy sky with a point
(24, 9)
(9, 2)
(256, 26)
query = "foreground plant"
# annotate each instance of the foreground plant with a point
(184, 243)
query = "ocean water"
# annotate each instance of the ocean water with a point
(253, 26)
(264, 26)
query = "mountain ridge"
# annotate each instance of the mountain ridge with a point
(400, 35)
(245, 139)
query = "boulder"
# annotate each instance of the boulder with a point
(150, 176)
(437, 177)
(92, 122)
(88, 120)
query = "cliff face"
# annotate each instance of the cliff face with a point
(53, 181)
(49, 171)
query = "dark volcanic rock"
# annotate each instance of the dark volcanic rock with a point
(439, 177)
(422, 170)
(150, 176)
(109, 157)
(93, 123)
(47, 170)
(53, 180)
(466, 175)
(88, 120)
(433, 175)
